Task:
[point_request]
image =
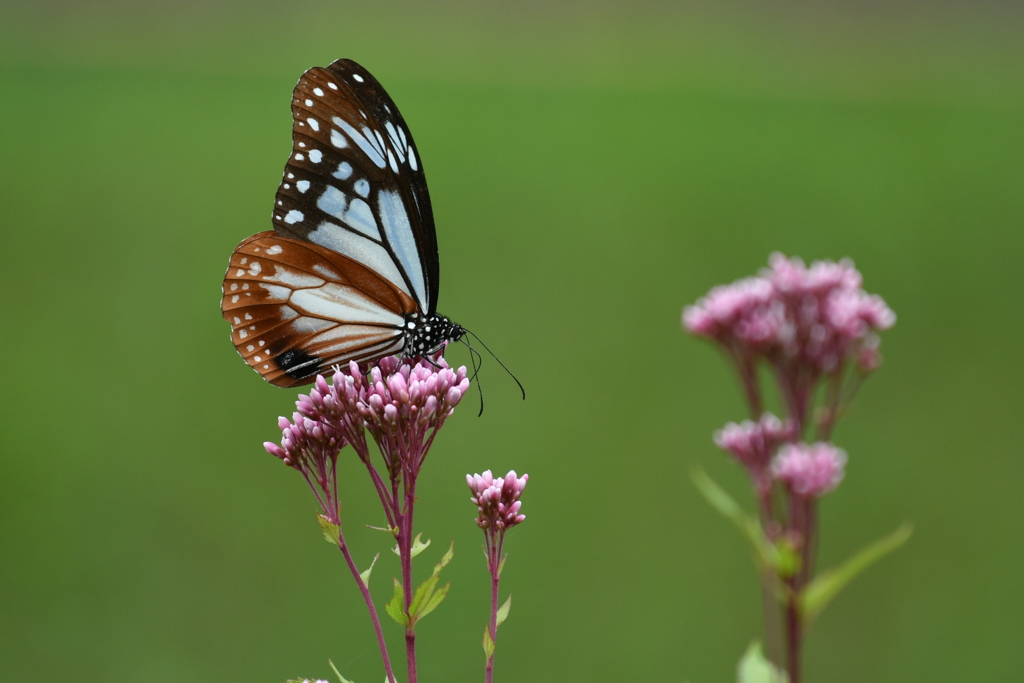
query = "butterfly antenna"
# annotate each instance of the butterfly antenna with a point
(516, 379)
(477, 362)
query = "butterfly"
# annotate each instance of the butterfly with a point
(350, 271)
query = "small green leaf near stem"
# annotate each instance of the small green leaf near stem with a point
(765, 552)
(504, 610)
(821, 591)
(755, 668)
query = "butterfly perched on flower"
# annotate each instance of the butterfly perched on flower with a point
(350, 271)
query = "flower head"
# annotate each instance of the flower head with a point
(312, 448)
(497, 499)
(752, 443)
(405, 402)
(306, 445)
(809, 470)
(818, 316)
(401, 402)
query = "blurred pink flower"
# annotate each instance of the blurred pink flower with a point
(809, 470)
(752, 443)
(817, 315)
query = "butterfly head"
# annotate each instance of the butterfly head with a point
(425, 334)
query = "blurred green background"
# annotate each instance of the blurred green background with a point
(594, 167)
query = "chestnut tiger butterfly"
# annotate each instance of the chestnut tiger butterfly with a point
(350, 271)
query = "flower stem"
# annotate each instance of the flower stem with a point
(364, 589)
(793, 637)
(495, 577)
(405, 552)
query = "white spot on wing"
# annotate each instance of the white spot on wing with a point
(344, 171)
(318, 92)
(338, 140)
(275, 249)
(313, 123)
(363, 187)
(293, 279)
(357, 77)
(309, 103)
(315, 156)
(303, 185)
(277, 291)
(371, 146)
(412, 158)
(356, 213)
(294, 216)
(360, 217)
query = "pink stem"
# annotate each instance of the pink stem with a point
(369, 605)
(493, 564)
(405, 551)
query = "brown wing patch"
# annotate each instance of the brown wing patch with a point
(296, 308)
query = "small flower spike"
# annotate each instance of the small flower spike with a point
(497, 500)
(809, 470)
(753, 443)
(312, 448)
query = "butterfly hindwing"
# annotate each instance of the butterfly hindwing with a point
(297, 308)
(354, 182)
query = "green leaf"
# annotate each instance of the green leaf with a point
(445, 559)
(394, 608)
(766, 555)
(422, 596)
(755, 668)
(820, 592)
(433, 601)
(338, 673)
(426, 599)
(332, 531)
(365, 576)
(504, 610)
(501, 565)
(417, 547)
(387, 529)
(488, 643)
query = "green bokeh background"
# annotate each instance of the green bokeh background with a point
(594, 167)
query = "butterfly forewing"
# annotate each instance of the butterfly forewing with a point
(297, 308)
(354, 182)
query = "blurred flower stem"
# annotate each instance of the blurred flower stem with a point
(815, 330)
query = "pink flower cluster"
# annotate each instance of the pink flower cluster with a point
(306, 443)
(809, 470)
(405, 403)
(818, 315)
(752, 443)
(497, 499)
(401, 402)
